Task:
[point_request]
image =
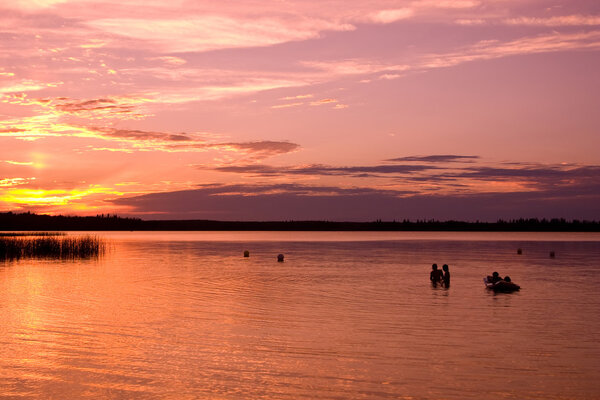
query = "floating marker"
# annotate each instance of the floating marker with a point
(552, 255)
(519, 251)
(280, 258)
(246, 253)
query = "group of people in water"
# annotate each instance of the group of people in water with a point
(494, 281)
(442, 277)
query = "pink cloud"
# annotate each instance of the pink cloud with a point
(211, 32)
(564, 20)
(389, 16)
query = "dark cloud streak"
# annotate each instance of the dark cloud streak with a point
(318, 169)
(435, 158)
(299, 202)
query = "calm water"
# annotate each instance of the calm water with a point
(347, 315)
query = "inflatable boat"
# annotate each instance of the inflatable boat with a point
(500, 286)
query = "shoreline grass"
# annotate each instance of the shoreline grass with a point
(19, 234)
(49, 245)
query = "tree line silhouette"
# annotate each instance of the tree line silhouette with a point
(10, 221)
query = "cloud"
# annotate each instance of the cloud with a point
(353, 67)
(451, 4)
(122, 108)
(301, 202)
(319, 170)
(138, 135)
(212, 32)
(435, 158)
(265, 147)
(389, 16)
(259, 202)
(24, 163)
(10, 182)
(169, 60)
(323, 101)
(287, 105)
(24, 86)
(390, 76)
(183, 142)
(12, 130)
(34, 5)
(441, 175)
(115, 107)
(298, 97)
(27, 197)
(488, 50)
(212, 92)
(482, 50)
(563, 20)
(470, 21)
(46, 126)
(538, 177)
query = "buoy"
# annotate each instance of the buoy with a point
(246, 253)
(280, 258)
(519, 251)
(552, 255)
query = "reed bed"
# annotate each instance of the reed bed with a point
(50, 246)
(18, 234)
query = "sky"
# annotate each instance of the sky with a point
(301, 110)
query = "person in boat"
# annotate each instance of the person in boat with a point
(494, 278)
(446, 275)
(505, 285)
(436, 275)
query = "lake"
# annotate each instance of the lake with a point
(348, 315)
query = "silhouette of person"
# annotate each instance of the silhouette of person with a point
(446, 276)
(436, 275)
(496, 277)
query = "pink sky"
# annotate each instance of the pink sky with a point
(343, 110)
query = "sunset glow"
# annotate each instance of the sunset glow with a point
(453, 109)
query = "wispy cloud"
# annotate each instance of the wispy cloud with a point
(449, 4)
(298, 97)
(322, 170)
(10, 182)
(287, 105)
(438, 158)
(323, 102)
(184, 142)
(23, 163)
(353, 67)
(487, 50)
(212, 32)
(47, 126)
(562, 20)
(20, 86)
(169, 60)
(389, 16)
(483, 50)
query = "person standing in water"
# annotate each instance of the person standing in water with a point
(446, 276)
(436, 275)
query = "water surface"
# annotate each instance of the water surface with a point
(347, 315)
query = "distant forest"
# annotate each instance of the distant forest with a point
(10, 221)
